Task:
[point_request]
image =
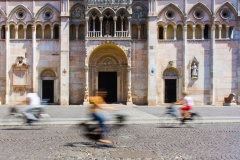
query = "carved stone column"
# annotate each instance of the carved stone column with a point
(42, 32)
(139, 32)
(16, 32)
(220, 32)
(25, 32)
(94, 18)
(87, 19)
(122, 25)
(52, 32)
(165, 32)
(227, 32)
(129, 26)
(86, 94)
(129, 96)
(203, 32)
(101, 20)
(194, 28)
(175, 31)
(115, 20)
(76, 33)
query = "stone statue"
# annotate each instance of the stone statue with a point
(107, 28)
(194, 70)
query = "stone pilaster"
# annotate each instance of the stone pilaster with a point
(64, 54)
(34, 58)
(152, 53)
(212, 70)
(7, 36)
(86, 94)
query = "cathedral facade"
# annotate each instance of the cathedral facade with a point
(143, 52)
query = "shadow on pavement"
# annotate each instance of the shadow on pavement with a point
(89, 144)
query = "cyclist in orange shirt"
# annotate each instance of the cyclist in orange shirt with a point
(98, 102)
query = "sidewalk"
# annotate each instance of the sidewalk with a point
(72, 114)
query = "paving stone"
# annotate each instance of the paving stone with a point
(145, 142)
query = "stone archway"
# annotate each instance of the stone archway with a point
(170, 76)
(110, 61)
(48, 85)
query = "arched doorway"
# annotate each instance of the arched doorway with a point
(170, 76)
(47, 85)
(108, 70)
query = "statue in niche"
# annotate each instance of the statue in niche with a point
(194, 72)
(107, 28)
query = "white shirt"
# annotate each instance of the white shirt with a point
(33, 99)
(189, 101)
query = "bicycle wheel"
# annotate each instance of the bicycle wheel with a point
(168, 120)
(196, 118)
(13, 119)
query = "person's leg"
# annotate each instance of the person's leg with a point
(100, 120)
(29, 116)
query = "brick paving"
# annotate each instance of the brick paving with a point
(130, 142)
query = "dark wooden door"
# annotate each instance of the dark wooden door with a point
(48, 90)
(108, 82)
(170, 90)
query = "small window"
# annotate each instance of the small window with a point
(170, 14)
(225, 14)
(161, 32)
(56, 32)
(198, 14)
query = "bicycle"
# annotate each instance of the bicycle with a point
(90, 129)
(16, 118)
(170, 118)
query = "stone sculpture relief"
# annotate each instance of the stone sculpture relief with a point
(139, 12)
(78, 13)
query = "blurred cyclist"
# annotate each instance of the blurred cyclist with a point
(188, 104)
(99, 103)
(33, 101)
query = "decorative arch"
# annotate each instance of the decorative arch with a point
(161, 23)
(47, 72)
(88, 13)
(21, 23)
(47, 6)
(3, 13)
(171, 72)
(107, 50)
(203, 6)
(139, 10)
(110, 10)
(108, 58)
(123, 9)
(20, 6)
(230, 6)
(171, 5)
(77, 11)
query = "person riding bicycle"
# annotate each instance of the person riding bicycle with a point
(188, 104)
(33, 101)
(98, 102)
